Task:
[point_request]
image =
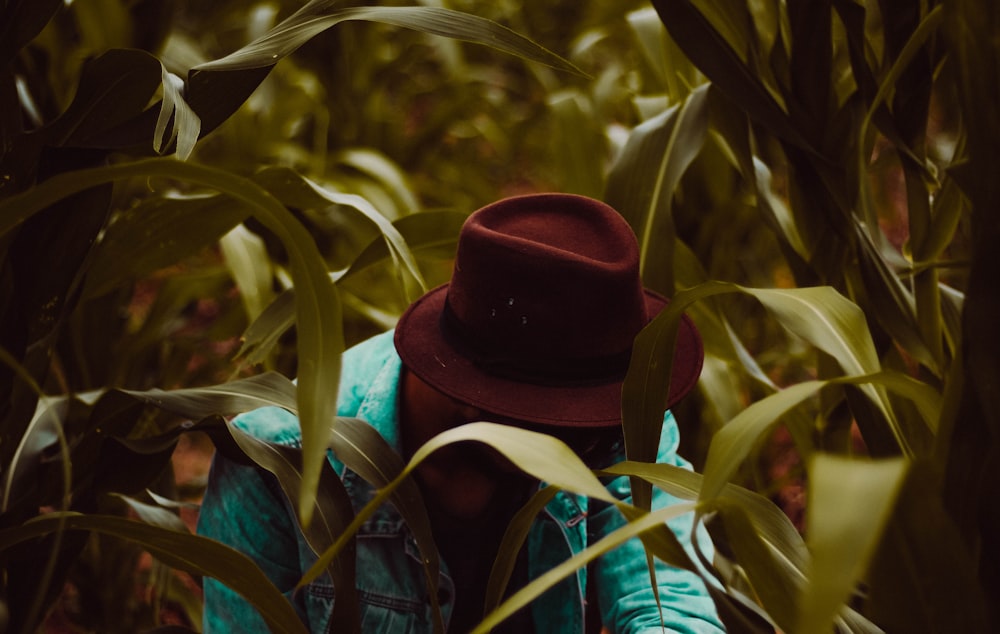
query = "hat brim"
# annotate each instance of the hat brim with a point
(426, 352)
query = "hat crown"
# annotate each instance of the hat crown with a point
(546, 288)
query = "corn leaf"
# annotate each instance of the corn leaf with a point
(158, 232)
(332, 513)
(320, 15)
(364, 451)
(643, 181)
(716, 58)
(850, 502)
(317, 304)
(536, 587)
(234, 397)
(539, 455)
(246, 258)
(186, 124)
(182, 550)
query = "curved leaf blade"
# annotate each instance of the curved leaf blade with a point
(318, 308)
(850, 502)
(318, 15)
(182, 550)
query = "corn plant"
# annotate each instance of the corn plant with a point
(86, 198)
(808, 180)
(851, 130)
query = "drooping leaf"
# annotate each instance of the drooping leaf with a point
(182, 550)
(382, 170)
(20, 22)
(42, 432)
(154, 515)
(539, 455)
(834, 324)
(434, 233)
(159, 232)
(715, 57)
(537, 586)
(114, 87)
(332, 513)
(247, 260)
(317, 304)
(234, 397)
(363, 450)
(319, 15)
(296, 190)
(643, 181)
(850, 502)
(185, 126)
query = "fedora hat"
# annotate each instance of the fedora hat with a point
(537, 322)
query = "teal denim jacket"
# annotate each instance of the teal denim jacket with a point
(248, 511)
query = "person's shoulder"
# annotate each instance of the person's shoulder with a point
(370, 355)
(361, 366)
(271, 424)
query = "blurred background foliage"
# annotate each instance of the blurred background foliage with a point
(837, 145)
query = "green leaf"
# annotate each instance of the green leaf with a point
(293, 189)
(576, 139)
(708, 49)
(536, 587)
(828, 320)
(777, 210)
(850, 502)
(643, 181)
(41, 433)
(731, 444)
(645, 389)
(321, 338)
(332, 513)
(20, 22)
(114, 87)
(182, 550)
(428, 232)
(266, 330)
(834, 324)
(382, 170)
(651, 37)
(158, 232)
(234, 397)
(923, 578)
(513, 539)
(319, 15)
(771, 523)
(893, 304)
(539, 455)
(775, 585)
(154, 515)
(247, 259)
(363, 450)
(431, 233)
(186, 124)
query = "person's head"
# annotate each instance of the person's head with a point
(537, 323)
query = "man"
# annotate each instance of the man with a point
(535, 329)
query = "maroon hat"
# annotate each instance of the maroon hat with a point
(538, 321)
